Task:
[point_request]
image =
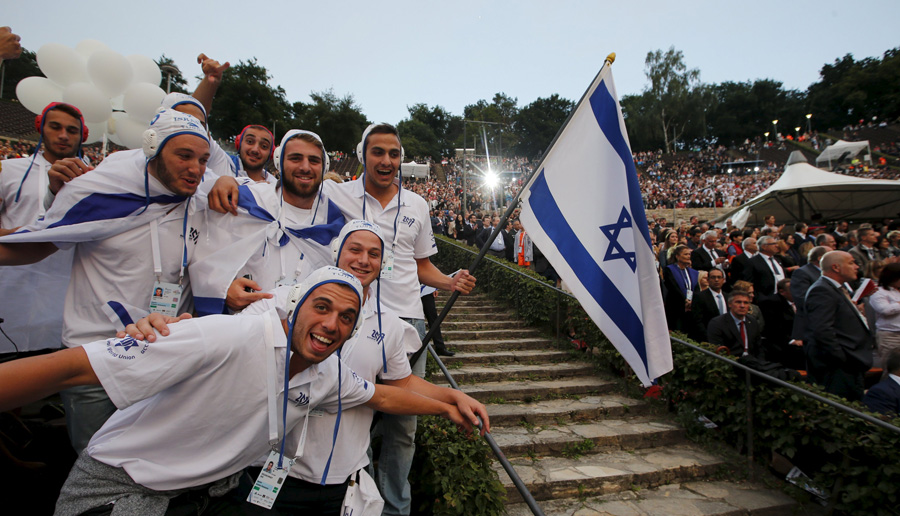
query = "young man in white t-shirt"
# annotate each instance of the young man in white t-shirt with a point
(202, 403)
(33, 304)
(409, 242)
(131, 224)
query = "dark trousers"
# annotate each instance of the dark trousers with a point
(296, 497)
(431, 315)
(841, 383)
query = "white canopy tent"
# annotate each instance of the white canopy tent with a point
(808, 194)
(841, 151)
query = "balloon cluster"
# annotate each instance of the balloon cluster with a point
(118, 95)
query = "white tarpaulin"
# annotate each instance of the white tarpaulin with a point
(834, 154)
(809, 194)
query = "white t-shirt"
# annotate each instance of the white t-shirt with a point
(31, 201)
(363, 355)
(193, 406)
(116, 275)
(414, 239)
(292, 262)
(34, 294)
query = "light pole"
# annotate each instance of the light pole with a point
(767, 138)
(808, 123)
(797, 130)
(775, 133)
(169, 69)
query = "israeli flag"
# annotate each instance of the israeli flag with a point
(583, 209)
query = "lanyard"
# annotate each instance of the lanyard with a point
(272, 396)
(154, 243)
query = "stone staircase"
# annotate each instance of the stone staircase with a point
(581, 447)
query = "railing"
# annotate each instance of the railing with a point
(748, 372)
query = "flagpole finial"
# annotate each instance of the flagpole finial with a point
(611, 58)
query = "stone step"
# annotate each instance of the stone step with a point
(713, 498)
(508, 357)
(512, 333)
(485, 346)
(523, 390)
(604, 473)
(565, 410)
(591, 437)
(495, 373)
(462, 301)
(469, 325)
(476, 309)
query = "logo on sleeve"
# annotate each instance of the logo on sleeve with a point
(301, 400)
(122, 348)
(360, 381)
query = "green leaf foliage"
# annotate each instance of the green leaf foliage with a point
(451, 473)
(855, 461)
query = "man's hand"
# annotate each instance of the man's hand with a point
(471, 409)
(10, 48)
(796, 342)
(463, 423)
(212, 70)
(146, 328)
(463, 282)
(238, 298)
(65, 170)
(223, 197)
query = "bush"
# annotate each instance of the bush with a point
(842, 453)
(451, 474)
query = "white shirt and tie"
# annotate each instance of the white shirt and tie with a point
(777, 271)
(720, 301)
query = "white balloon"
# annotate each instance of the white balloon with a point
(111, 126)
(87, 47)
(145, 69)
(61, 64)
(95, 132)
(118, 103)
(94, 105)
(131, 131)
(36, 92)
(142, 100)
(110, 72)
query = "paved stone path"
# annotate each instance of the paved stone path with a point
(580, 447)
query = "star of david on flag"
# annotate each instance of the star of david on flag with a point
(583, 209)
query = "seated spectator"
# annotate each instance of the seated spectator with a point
(736, 330)
(884, 397)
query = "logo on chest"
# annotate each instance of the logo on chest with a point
(409, 221)
(301, 400)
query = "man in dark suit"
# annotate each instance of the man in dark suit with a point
(779, 314)
(739, 263)
(801, 280)
(468, 232)
(838, 342)
(708, 303)
(706, 257)
(865, 252)
(502, 246)
(884, 397)
(765, 269)
(736, 330)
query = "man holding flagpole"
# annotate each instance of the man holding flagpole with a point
(594, 230)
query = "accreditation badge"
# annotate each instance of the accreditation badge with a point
(165, 298)
(387, 269)
(270, 481)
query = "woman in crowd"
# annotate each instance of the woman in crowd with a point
(680, 283)
(894, 239)
(734, 248)
(459, 227)
(886, 304)
(883, 248)
(668, 240)
(747, 287)
(789, 256)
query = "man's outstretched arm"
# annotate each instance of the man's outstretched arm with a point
(30, 379)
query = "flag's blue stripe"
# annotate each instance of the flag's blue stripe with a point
(247, 201)
(209, 305)
(322, 234)
(606, 112)
(120, 310)
(106, 206)
(597, 283)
